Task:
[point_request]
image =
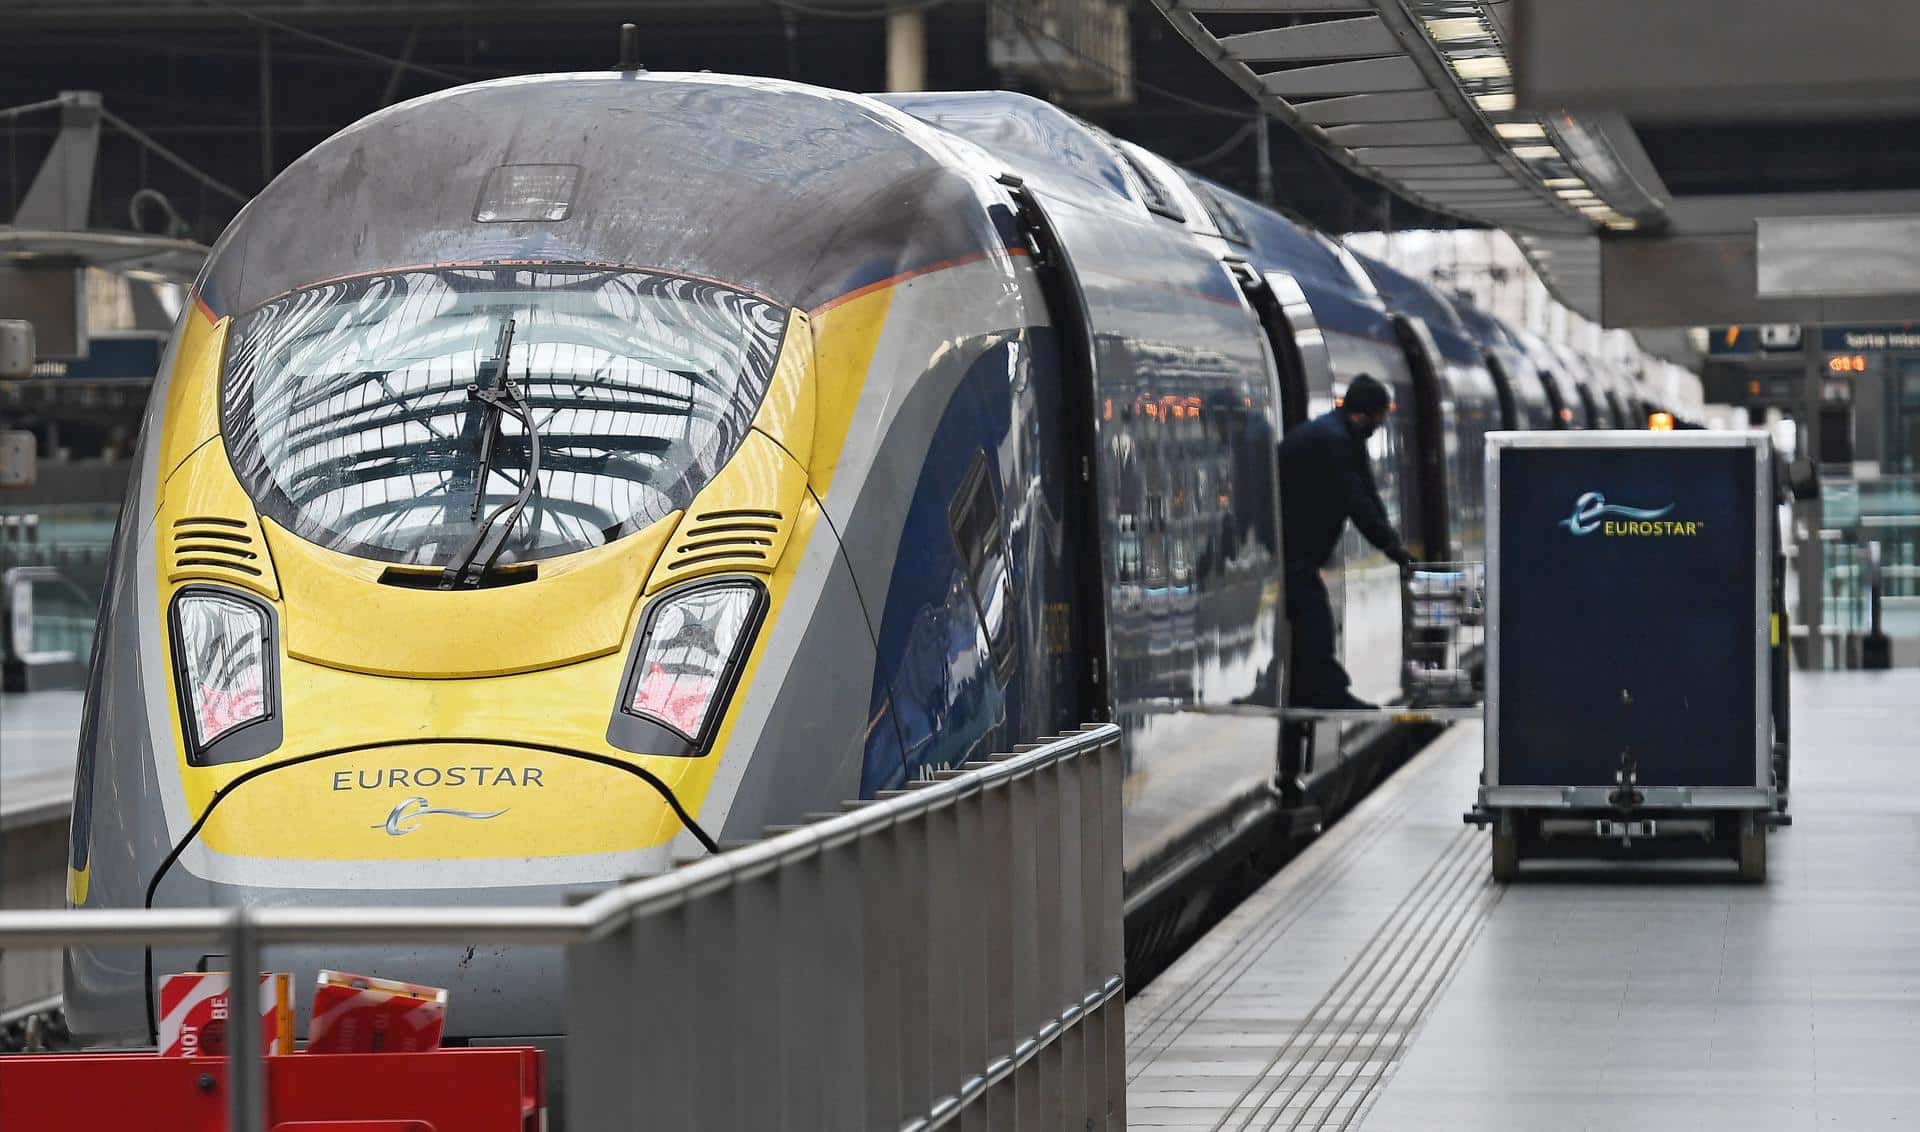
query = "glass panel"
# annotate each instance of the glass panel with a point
(347, 411)
(71, 538)
(1855, 516)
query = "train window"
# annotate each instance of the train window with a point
(1155, 194)
(346, 412)
(974, 518)
(1223, 218)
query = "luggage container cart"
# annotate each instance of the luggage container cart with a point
(1630, 635)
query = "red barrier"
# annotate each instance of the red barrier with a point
(492, 1089)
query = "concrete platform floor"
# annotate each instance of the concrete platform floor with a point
(1381, 981)
(39, 738)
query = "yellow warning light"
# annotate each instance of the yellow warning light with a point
(1660, 422)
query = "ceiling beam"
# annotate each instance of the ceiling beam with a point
(1330, 39)
(1395, 156)
(1709, 280)
(1401, 133)
(1693, 59)
(1406, 106)
(1361, 76)
(1274, 7)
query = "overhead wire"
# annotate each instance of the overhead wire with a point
(1234, 141)
(171, 157)
(139, 136)
(31, 107)
(337, 45)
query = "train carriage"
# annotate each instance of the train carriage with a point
(556, 477)
(1526, 400)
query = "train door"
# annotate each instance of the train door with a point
(1303, 364)
(1073, 624)
(1589, 408)
(1617, 409)
(1182, 460)
(1433, 538)
(1293, 334)
(1562, 415)
(1503, 388)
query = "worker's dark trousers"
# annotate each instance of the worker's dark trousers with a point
(1317, 677)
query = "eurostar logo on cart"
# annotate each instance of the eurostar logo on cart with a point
(1593, 514)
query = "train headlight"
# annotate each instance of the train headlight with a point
(690, 654)
(223, 663)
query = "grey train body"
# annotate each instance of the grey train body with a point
(1056, 501)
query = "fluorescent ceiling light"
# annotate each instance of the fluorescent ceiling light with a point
(1575, 194)
(1457, 28)
(1493, 103)
(1564, 183)
(1514, 131)
(1622, 224)
(1535, 152)
(1482, 67)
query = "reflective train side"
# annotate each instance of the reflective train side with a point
(874, 435)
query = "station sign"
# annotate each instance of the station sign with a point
(1853, 339)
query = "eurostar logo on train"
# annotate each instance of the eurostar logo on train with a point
(1591, 513)
(406, 816)
(383, 778)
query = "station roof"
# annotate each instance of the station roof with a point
(240, 88)
(1645, 154)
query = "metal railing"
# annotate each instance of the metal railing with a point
(945, 955)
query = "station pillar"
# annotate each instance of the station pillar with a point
(906, 50)
(1810, 555)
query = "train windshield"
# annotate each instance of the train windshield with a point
(346, 407)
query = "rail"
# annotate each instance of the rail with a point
(949, 955)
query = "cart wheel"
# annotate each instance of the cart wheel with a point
(1753, 852)
(1506, 856)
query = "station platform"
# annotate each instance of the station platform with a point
(1382, 981)
(39, 738)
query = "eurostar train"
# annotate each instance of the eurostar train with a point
(554, 477)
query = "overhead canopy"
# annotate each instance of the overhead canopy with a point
(1640, 151)
(1419, 96)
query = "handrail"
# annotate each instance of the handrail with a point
(1054, 900)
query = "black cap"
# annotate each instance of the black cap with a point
(1365, 394)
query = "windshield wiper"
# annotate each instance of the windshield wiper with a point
(498, 395)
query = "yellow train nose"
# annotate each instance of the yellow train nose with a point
(442, 801)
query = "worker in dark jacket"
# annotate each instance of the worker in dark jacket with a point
(1325, 480)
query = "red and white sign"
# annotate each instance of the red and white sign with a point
(193, 1014)
(362, 1014)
